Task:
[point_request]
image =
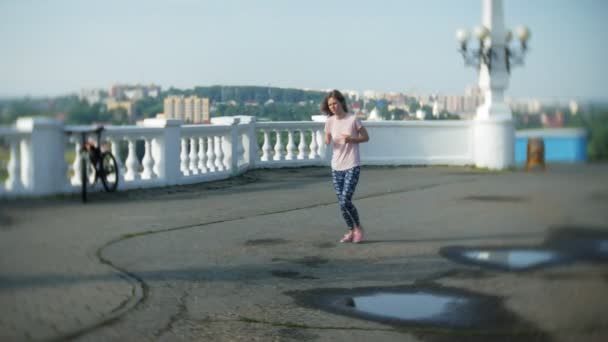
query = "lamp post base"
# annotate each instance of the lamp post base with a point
(494, 143)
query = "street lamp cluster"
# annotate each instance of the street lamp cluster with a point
(486, 53)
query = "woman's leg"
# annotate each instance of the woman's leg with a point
(351, 179)
(338, 178)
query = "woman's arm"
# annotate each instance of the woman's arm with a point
(363, 137)
(327, 138)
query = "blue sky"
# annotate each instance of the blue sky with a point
(57, 47)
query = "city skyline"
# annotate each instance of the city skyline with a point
(60, 47)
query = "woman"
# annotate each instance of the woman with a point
(346, 132)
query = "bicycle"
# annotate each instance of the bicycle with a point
(96, 163)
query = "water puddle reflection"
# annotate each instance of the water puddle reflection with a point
(426, 306)
(418, 306)
(512, 259)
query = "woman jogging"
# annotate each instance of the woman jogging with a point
(346, 132)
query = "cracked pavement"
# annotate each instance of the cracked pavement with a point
(219, 261)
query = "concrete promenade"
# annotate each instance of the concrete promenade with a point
(233, 260)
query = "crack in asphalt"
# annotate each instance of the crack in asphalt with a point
(140, 289)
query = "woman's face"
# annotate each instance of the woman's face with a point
(334, 106)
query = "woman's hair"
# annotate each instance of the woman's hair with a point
(336, 95)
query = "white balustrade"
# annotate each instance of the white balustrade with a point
(219, 154)
(148, 161)
(14, 182)
(184, 157)
(202, 156)
(182, 154)
(278, 146)
(77, 165)
(266, 146)
(193, 156)
(210, 155)
(301, 146)
(132, 163)
(313, 145)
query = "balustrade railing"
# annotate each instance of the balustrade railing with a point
(164, 152)
(290, 144)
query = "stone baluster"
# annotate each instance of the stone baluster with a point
(76, 165)
(266, 147)
(313, 145)
(302, 146)
(278, 146)
(184, 157)
(202, 157)
(219, 155)
(14, 183)
(291, 147)
(132, 163)
(193, 156)
(210, 155)
(242, 141)
(148, 161)
(321, 147)
(115, 148)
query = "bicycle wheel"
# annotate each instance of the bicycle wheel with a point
(109, 171)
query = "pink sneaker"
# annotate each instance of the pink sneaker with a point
(348, 237)
(357, 235)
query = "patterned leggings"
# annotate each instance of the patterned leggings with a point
(345, 183)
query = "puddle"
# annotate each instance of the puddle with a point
(584, 243)
(417, 306)
(510, 259)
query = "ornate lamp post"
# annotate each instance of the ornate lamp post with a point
(494, 134)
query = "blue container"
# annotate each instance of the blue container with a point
(563, 145)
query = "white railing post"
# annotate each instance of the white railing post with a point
(251, 144)
(148, 161)
(278, 146)
(232, 143)
(313, 144)
(266, 146)
(76, 165)
(132, 163)
(219, 154)
(43, 163)
(193, 156)
(291, 147)
(210, 154)
(202, 156)
(167, 149)
(14, 182)
(301, 146)
(183, 157)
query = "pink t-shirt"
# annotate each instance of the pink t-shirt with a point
(345, 156)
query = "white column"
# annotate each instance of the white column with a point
(193, 156)
(291, 147)
(210, 155)
(266, 146)
(183, 157)
(43, 160)
(166, 149)
(219, 155)
(132, 163)
(313, 144)
(493, 130)
(14, 183)
(147, 161)
(302, 146)
(202, 157)
(278, 146)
